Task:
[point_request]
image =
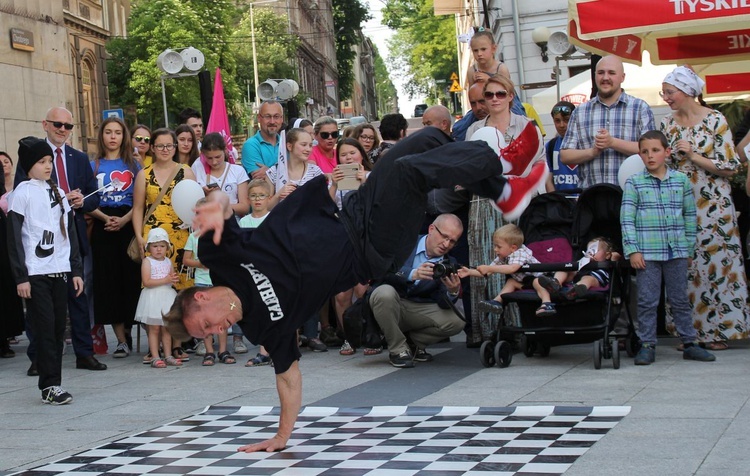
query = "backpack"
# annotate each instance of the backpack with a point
(360, 327)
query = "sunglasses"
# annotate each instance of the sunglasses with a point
(142, 139)
(58, 125)
(495, 94)
(565, 110)
(326, 135)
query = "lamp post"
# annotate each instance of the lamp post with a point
(255, 56)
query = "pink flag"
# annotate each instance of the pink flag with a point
(219, 121)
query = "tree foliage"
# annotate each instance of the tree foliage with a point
(384, 88)
(348, 17)
(424, 46)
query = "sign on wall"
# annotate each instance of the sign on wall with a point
(21, 39)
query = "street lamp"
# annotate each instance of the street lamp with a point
(255, 56)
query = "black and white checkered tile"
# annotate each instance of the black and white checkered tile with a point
(372, 441)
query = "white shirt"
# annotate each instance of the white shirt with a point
(232, 177)
(46, 250)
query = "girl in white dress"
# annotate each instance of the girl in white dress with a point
(157, 296)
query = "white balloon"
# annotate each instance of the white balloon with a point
(184, 196)
(493, 137)
(630, 166)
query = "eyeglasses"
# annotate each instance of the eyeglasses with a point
(366, 138)
(668, 93)
(474, 103)
(163, 147)
(496, 94)
(445, 237)
(326, 135)
(58, 125)
(564, 110)
(258, 196)
(275, 117)
(142, 139)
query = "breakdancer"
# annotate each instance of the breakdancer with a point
(273, 278)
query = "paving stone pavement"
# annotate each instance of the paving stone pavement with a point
(686, 417)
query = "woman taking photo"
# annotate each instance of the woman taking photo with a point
(187, 145)
(229, 178)
(702, 148)
(117, 279)
(164, 172)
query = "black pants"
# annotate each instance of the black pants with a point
(45, 314)
(384, 217)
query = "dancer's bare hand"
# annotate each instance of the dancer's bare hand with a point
(277, 443)
(211, 215)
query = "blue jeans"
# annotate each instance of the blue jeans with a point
(674, 275)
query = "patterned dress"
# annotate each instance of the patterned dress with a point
(717, 287)
(165, 217)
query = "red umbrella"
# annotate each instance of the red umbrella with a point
(673, 31)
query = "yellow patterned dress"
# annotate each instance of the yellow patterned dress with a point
(165, 217)
(717, 286)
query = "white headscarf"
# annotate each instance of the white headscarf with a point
(685, 79)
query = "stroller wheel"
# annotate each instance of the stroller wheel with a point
(527, 346)
(615, 354)
(598, 354)
(485, 354)
(503, 354)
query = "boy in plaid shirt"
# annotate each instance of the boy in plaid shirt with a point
(658, 235)
(507, 243)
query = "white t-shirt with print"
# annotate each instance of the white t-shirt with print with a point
(231, 179)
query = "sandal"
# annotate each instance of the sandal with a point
(717, 345)
(158, 364)
(372, 350)
(578, 291)
(346, 349)
(179, 353)
(259, 360)
(171, 361)
(147, 359)
(547, 309)
(209, 359)
(226, 358)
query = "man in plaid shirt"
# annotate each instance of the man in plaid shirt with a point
(605, 130)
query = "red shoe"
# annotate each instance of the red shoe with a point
(521, 190)
(520, 152)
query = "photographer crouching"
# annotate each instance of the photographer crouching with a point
(413, 306)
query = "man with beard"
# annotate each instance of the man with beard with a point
(261, 151)
(605, 130)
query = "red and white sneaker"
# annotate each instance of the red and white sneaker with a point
(517, 157)
(521, 190)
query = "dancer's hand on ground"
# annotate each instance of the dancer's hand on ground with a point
(277, 443)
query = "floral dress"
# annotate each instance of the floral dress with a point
(717, 286)
(165, 217)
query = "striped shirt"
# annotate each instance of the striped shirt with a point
(658, 216)
(626, 119)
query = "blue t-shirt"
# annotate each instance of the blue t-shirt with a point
(121, 180)
(564, 177)
(256, 151)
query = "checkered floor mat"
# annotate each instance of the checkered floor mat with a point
(372, 441)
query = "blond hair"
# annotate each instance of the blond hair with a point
(510, 234)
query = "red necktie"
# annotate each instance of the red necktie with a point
(60, 169)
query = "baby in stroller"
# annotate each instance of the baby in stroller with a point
(588, 276)
(507, 243)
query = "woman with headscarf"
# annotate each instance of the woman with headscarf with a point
(702, 148)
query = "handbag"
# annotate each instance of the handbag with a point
(134, 249)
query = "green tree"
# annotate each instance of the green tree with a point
(348, 17)
(424, 46)
(156, 25)
(384, 88)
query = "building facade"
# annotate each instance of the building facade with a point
(54, 56)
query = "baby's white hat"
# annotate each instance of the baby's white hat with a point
(156, 235)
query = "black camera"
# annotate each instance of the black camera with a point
(444, 268)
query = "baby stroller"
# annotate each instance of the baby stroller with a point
(556, 230)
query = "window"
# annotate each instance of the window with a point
(88, 98)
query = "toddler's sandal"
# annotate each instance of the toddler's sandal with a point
(158, 364)
(259, 360)
(226, 358)
(209, 359)
(171, 361)
(547, 309)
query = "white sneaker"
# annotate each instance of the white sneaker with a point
(239, 346)
(121, 351)
(200, 349)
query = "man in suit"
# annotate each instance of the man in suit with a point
(74, 175)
